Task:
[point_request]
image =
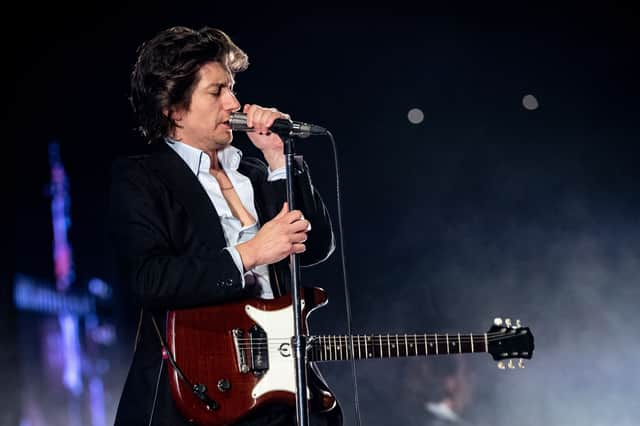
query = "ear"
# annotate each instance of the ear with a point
(172, 113)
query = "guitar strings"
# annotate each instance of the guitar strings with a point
(387, 340)
(443, 337)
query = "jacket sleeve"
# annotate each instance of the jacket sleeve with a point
(271, 195)
(159, 275)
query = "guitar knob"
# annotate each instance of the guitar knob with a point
(521, 363)
(518, 325)
(510, 364)
(507, 322)
(224, 385)
(497, 321)
(501, 365)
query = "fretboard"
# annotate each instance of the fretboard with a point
(336, 348)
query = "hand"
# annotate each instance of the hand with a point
(277, 239)
(269, 143)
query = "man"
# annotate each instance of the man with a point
(196, 224)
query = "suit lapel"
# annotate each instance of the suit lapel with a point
(186, 188)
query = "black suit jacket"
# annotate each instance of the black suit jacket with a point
(169, 245)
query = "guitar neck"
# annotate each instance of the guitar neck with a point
(338, 348)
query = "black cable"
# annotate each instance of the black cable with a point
(199, 390)
(344, 279)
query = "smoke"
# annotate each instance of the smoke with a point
(573, 280)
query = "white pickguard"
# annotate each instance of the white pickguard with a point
(278, 325)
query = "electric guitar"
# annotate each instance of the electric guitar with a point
(228, 360)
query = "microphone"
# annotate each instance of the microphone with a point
(281, 126)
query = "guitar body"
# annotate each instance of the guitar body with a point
(225, 348)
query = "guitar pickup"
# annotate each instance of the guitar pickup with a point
(259, 350)
(241, 354)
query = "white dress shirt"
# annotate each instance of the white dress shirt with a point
(234, 233)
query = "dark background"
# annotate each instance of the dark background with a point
(484, 209)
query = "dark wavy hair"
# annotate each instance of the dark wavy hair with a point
(166, 73)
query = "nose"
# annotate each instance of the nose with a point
(230, 101)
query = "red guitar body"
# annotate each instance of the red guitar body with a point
(225, 348)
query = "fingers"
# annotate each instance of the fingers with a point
(299, 226)
(283, 211)
(261, 118)
(294, 216)
(298, 237)
(298, 248)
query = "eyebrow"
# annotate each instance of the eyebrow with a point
(220, 84)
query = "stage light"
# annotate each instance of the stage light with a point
(415, 116)
(530, 102)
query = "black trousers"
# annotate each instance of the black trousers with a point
(281, 415)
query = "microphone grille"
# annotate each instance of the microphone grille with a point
(238, 121)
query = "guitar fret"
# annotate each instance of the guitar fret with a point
(459, 344)
(486, 343)
(366, 351)
(471, 336)
(388, 346)
(426, 349)
(380, 338)
(327, 348)
(346, 353)
(335, 348)
(447, 339)
(353, 348)
(406, 345)
(347, 348)
(436, 339)
(324, 348)
(415, 343)
(397, 347)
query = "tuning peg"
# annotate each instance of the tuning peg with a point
(507, 322)
(521, 363)
(497, 321)
(518, 325)
(501, 365)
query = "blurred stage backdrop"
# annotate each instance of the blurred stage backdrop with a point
(488, 168)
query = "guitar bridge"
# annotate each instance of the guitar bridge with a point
(241, 356)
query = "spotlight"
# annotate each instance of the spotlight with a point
(415, 116)
(530, 102)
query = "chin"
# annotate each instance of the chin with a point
(223, 142)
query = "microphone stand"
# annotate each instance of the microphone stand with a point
(298, 341)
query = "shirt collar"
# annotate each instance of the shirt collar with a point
(198, 160)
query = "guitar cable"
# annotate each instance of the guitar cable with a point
(344, 280)
(199, 390)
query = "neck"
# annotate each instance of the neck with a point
(335, 348)
(213, 156)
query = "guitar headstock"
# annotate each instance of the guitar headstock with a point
(509, 340)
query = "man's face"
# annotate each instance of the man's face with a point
(205, 124)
